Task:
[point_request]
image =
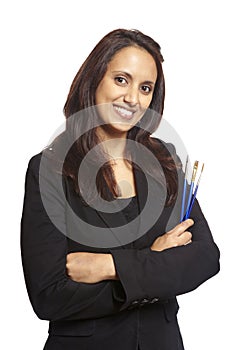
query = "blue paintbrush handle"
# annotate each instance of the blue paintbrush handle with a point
(189, 200)
(183, 201)
(192, 202)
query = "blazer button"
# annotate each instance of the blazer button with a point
(144, 301)
(133, 305)
(154, 300)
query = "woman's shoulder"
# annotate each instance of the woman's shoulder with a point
(34, 161)
(50, 153)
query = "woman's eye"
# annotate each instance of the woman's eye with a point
(120, 80)
(146, 89)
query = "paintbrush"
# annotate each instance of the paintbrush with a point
(195, 192)
(195, 167)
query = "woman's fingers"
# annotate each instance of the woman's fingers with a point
(182, 227)
(178, 236)
(184, 238)
(179, 233)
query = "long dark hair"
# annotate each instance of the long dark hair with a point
(82, 95)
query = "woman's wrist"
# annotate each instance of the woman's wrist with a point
(109, 267)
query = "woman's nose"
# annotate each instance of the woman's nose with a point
(132, 96)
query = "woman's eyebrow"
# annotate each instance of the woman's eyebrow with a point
(130, 76)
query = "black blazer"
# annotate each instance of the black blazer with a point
(140, 309)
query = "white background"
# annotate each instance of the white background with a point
(43, 43)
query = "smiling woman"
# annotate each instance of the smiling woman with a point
(118, 291)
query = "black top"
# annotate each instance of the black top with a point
(132, 209)
(131, 212)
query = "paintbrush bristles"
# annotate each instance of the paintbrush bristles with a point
(195, 167)
(202, 168)
(186, 168)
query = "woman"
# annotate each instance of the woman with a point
(101, 265)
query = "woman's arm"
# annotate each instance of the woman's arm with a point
(176, 263)
(44, 249)
(164, 274)
(95, 267)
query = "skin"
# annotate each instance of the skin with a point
(122, 96)
(128, 85)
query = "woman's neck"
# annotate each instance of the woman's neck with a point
(112, 143)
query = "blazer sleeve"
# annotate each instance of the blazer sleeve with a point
(150, 274)
(52, 293)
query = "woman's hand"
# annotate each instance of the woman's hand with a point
(176, 237)
(90, 267)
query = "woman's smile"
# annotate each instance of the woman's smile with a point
(124, 113)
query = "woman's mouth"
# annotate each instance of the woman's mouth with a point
(124, 113)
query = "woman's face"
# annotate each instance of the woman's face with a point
(126, 90)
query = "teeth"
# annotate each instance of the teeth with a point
(123, 111)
